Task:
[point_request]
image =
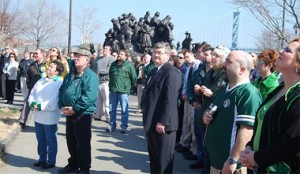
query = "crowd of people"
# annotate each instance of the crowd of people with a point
(228, 110)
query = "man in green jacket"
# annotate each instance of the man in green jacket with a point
(77, 101)
(122, 77)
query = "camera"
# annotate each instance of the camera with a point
(212, 109)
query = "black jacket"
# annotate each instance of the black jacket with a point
(34, 73)
(160, 98)
(280, 134)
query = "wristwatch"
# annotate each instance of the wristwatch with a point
(231, 160)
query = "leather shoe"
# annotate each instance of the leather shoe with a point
(190, 157)
(177, 146)
(47, 166)
(97, 119)
(196, 165)
(183, 149)
(39, 163)
(68, 169)
(187, 153)
(84, 172)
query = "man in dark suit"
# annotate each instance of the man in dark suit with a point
(35, 71)
(160, 116)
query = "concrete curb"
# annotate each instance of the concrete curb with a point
(11, 136)
(6, 141)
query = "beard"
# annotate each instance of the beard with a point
(224, 76)
(228, 76)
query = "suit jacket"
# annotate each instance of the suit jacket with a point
(160, 99)
(33, 74)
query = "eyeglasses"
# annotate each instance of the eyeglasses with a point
(11, 56)
(260, 63)
(35, 53)
(158, 52)
(287, 50)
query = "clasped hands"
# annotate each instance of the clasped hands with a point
(67, 111)
(203, 89)
(247, 158)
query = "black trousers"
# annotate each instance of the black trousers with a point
(25, 111)
(180, 120)
(78, 133)
(10, 89)
(161, 151)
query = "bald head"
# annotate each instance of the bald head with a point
(243, 58)
(237, 67)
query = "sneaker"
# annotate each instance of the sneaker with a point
(110, 129)
(123, 132)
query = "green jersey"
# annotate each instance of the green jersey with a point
(236, 106)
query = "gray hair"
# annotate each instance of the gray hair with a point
(164, 46)
(222, 52)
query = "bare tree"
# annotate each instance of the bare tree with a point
(43, 21)
(9, 19)
(87, 24)
(271, 13)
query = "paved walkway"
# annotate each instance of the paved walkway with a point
(111, 152)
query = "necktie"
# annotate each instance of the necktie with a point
(153, 73)
(190, 73)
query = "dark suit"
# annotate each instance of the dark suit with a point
(160, 105)
(33, 75)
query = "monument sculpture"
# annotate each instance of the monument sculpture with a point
(187, 42)
(139, 36)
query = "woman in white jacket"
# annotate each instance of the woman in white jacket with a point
(43, 99)
(10, 71)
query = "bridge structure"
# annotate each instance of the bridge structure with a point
(235, 30)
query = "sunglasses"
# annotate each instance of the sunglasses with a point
(180, 57)
(260, 63)
(287, 50)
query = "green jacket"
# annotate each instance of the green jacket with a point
(267, 85)
(80, 91)
(121, 77)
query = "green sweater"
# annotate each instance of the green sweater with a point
(266, 85)
(80, 91)
(121, 77)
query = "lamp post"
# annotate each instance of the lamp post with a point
(70, 27)
(295, 27)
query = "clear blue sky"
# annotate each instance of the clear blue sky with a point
(211, 18)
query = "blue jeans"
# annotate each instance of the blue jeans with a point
(47, 142)
(198, 130)
(114, 99)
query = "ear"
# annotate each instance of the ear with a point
(242, 70)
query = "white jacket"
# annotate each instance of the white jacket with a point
(45, 94)
(11, 68)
